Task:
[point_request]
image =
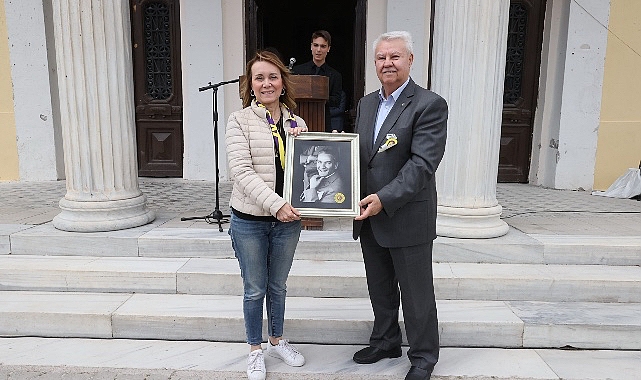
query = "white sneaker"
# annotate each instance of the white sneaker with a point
(256, 365)
(287, 353)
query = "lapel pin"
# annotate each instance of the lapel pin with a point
(390, 141)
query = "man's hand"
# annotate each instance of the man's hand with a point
(287, 213)
(370, 206)
(314, 181)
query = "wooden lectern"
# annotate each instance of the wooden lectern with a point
(312, 92)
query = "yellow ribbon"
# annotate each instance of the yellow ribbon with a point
(278, 139)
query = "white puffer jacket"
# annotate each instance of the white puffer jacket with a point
(252, 163)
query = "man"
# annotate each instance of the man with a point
(402, 129)
(325, 186)
(321, 44)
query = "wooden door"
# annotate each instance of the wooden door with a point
(525, 35)
(157, 87)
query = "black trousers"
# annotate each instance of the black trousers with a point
(411, 269)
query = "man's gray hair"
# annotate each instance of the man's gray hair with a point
(396, 35)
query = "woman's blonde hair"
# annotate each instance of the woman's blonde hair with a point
(246, 82)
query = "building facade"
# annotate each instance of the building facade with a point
(563, 112)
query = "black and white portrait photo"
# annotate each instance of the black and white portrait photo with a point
(321, 180)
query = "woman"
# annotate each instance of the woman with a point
(264, 228)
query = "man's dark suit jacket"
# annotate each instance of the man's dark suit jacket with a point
(335, 85)
(403, 175)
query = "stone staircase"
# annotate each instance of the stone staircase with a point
(154, 286)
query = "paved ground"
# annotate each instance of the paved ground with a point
(531, 209)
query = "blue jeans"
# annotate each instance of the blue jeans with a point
(265, 251)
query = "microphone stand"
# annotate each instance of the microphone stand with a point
(216, 216)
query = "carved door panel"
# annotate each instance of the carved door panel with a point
(157, 87)
(525, 35)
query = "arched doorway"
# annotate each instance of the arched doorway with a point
(287, 26)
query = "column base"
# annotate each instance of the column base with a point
(103, 215)
(470, 223)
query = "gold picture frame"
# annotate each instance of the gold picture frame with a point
(328, 186)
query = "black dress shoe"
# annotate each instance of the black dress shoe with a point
(369, 355)
(416, 373)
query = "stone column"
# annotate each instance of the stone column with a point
(95, 76)
(468, 70)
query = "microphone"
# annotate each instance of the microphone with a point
(292, 60)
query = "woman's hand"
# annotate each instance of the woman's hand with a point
(297, 131)
(287, 213)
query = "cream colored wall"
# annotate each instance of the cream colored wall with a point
(8, 146)
(619, 144)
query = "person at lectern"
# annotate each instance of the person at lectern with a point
(264, 228)
(320, 46)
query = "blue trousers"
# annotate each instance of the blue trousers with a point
(265, 251)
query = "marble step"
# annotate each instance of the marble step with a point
(503, 324)
(154, 240)
(70, 358)
(316, 278)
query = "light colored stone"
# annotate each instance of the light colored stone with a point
(94, 67)
(186, 242)
(58, 314)
(47, 240)
(464, 363)
(470, 37)
(156, 359)
(33, 216)
(328, 245)
(318, 320)
(210, 276)
(317, 278)
(580, 324)
(594, 249)
(124, 353)
(188, 317)
(593, 365)
(514, 247)
(486, 323)
(157, 240)
(207, 242)
(535, 282)
(5, 232)
(306, 278)
(89, 274)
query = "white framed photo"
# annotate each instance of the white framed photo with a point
(322, 174)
